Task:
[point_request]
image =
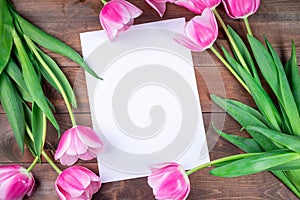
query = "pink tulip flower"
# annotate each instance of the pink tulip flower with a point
(198, 6)
(117, 16)
(237, 9)
(15, 182)
(78, 142)
(169, 181)
(200, 32)
(159, 5)
(77, 182)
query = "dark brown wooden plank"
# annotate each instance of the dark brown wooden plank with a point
(279, 23)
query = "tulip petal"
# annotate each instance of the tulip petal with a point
(31, 189)
(88, 193)
(96, 151)
(159, 166)
(8, 171)
(80, 147)
(61, 192)
(70, 184)
(63, 145)
(76, 146)
(198, 6)
(185, 41)
(14, 187)
(91, 174)
(160, 7)
(72, 149)
(133, 10)
(185, 192)
(77, 183)
(95, 185)
(88, 137)
(30, 181)
(172, 186)
(87, 156)
(127, 25)
(68, 159)
(82, 176)
(195, 6)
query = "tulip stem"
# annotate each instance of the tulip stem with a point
(248, 26)
(221, 160)
(29, 132)
(231, 40)
(53, 165)
(229, 67)
(104, 2)
(53, 76)
(32, 164)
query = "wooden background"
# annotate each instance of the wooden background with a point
(65, 19)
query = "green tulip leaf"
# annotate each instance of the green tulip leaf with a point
(60, 76)
(30, 145)
(6, 40)
(251, 111)
(15, 74)
(52, 73)
(260, 96)
(245, 118)
(29, 140)
(37, 128)
(28, 115)
(289, 141)
(292, 73)
(285, 95)
(248, 145)
(294, 176)
(32, 81)
(12, 105)
(265, 63)
(255, 164)
(292, 165)
(49, 42)
(244, 52)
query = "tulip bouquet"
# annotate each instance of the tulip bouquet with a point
(273, 125)
(23, 66)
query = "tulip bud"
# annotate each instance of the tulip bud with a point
(200, 32)
(169, 181)
(240, 8)
(117, 16)
(77, 182)
(198, 6)
(15, 182)
(78, 142)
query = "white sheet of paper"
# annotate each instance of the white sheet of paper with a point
(147, 108)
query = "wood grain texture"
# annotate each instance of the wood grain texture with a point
(65, 19)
